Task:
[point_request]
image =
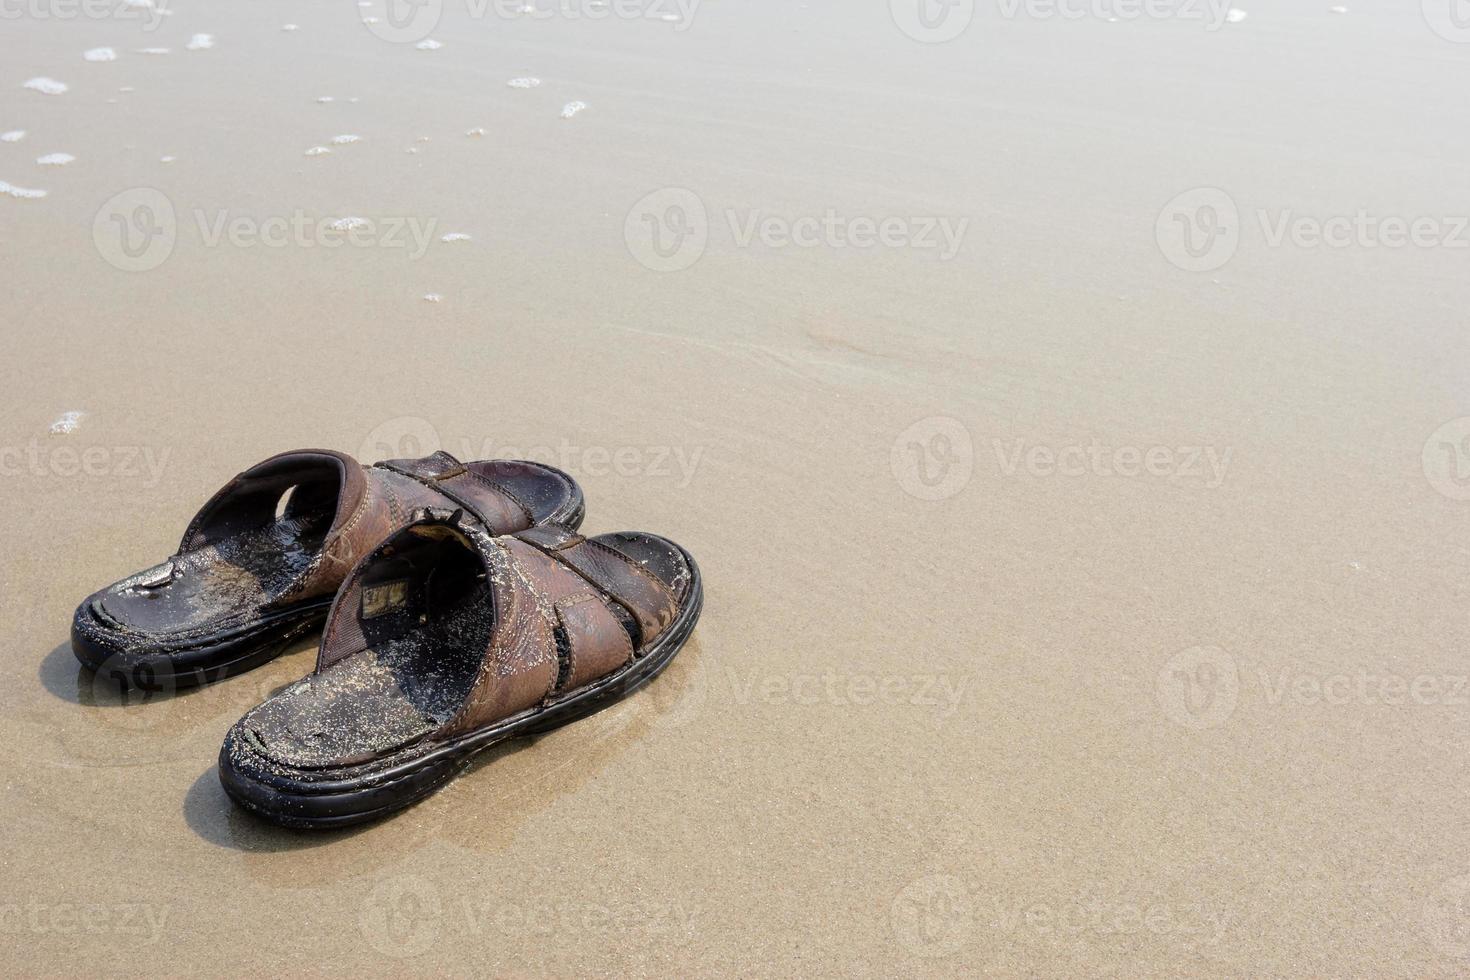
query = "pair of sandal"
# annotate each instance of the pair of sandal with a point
(460, 606)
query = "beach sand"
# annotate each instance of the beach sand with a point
(1084, 542)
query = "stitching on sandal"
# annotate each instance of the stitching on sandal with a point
(663, 590)
(504, 492)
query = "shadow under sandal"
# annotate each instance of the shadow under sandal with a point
(260, 563)
(445, 641)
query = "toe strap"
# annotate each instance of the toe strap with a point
(496, 506)
(517, 620)
(613, 573)
(596, 643)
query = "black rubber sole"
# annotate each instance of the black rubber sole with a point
(571, 513)
(214, 660)
(378, 789)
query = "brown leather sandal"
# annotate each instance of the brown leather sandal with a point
(260, 563)
(445, 641)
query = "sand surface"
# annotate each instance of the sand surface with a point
(1084, 598)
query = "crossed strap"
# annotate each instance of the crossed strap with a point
(569, 610)
(494, 505)
(611, 573)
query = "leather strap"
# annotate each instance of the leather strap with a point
(371, 503)
(521, 667)
(596, 641)
(597, 644)
(612, 573)
(250, 498)
(538, 600)
(494, 505)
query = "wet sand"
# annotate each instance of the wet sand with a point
(1085, 579)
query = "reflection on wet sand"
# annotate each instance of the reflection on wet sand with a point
(120, 729)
